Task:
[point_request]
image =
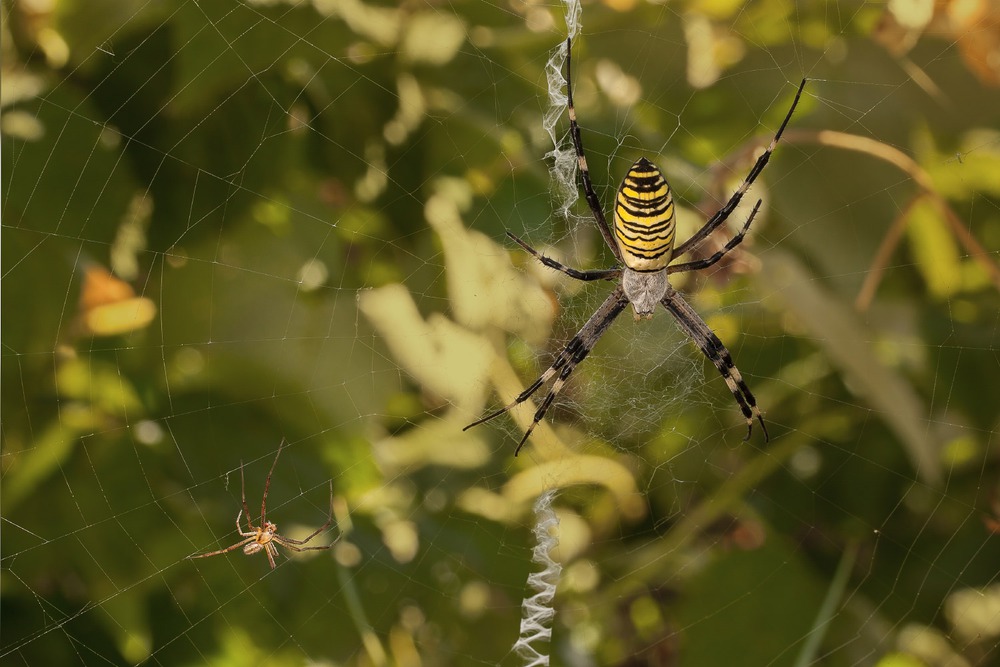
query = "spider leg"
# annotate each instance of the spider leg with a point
(243, 498)
(712, 347)
(709, 261)
(588, 188)
(227, 549)
(267, 485)
(574, 352)
(285, 542)
(734, 201)
(270, 549)
(288, 542)
(599, 274)
(239, 528)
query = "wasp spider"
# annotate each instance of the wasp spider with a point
(642, 240)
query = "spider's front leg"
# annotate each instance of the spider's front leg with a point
(723, 213)
(246, 510)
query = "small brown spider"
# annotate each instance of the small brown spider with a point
(264, 537)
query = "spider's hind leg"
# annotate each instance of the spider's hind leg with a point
(571, 355)
(712, 347)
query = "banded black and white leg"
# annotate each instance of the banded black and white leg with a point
(723, 213)
(710, 345)
(588, 187)
(595, 274)
(566, 361)
(699, 264)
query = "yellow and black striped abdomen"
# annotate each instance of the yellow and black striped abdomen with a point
(644, 218)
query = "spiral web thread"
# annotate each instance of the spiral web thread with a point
(537, 611)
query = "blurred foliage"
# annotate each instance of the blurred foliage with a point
(227, 224)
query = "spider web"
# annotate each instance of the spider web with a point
(229, 225)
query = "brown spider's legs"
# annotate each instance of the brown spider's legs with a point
(574, 352)
(283, 541)
(712, 347)
(598, 274)
(733, 242)
(288, 542)
(226, 550)
(734, 201)
(267, 485)
(588, 188)
(270, 549)
(243, 498)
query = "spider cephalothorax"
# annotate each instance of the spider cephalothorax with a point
(642, 240)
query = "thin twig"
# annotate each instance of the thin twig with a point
(920, 176)
(885, 250)
(907, 165)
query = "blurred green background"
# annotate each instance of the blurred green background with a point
(229, 224)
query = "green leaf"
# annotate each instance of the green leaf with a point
(934, 249)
